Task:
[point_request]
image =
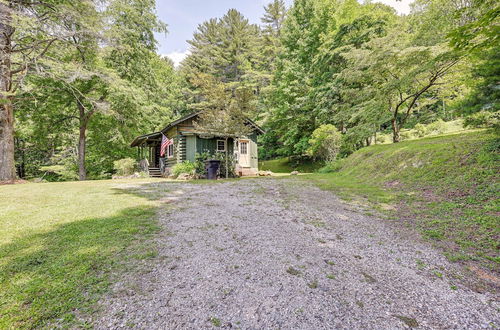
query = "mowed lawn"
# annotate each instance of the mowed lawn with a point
(60, 242)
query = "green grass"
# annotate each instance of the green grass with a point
(285, 165)
(59, 243)
(447, 186)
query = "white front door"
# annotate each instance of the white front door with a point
(244, 160)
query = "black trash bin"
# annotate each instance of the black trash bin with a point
(212, 166)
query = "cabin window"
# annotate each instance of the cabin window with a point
(243, 148)
(221, 145)
(170, 150)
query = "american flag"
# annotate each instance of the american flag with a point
(165, 142)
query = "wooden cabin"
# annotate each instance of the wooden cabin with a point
(188, 142)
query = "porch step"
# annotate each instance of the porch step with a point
(154, 172)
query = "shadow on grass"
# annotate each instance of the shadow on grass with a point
(48, 278)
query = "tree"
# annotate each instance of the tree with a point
(478, 39)
(291, 115)
(28, 30)
(394, 76)
(273, 20)
(325, 142)
(223, 111)
(335, 98)
(225, 48)
(103, 80)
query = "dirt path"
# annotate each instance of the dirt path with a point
(269, 253)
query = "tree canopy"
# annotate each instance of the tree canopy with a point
(80, 79)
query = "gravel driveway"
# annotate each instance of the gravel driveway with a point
(282, 254)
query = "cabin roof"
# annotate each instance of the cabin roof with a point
(140, 139)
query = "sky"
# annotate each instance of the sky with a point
(184, 16)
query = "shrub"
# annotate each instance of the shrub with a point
(325, 143)
(200, 162)
(420, 130)
(332, 167)
(184, 167)
(437, 127)
(54, 173)
(483, 119)
(406, 135)
(125, 166)
(381, 138)
(231, 160)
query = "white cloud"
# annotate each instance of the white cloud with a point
(177, 56)
(401, 6)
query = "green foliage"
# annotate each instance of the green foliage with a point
(332, 167)
(184, 167)
(115, 82)
(325, 142)
(199, 162)
(125, 166)
(58, 173)
(483, 119)
(420, 130)
(381, 138)
(358, 67)
(406, 135)
(437, 127)
(227, 164)
(290, 164)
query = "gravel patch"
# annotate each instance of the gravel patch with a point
(274, 253)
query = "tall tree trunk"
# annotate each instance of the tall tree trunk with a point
(227, 159)
(7, 163)
(395, 131)
(82, 142)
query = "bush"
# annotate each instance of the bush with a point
(231, 160)
(483, 119)
(200, 162)
(406, 135)
(332, 167)
(381, 138)
(125, 166)
(184, 167)
(437, 127)
(420, 130)
(325, 143)
(55, 173)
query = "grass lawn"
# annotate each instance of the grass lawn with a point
(59, 243)
(284, 165)
(447, 186)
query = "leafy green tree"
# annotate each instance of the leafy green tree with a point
(110, 91)
(222, 110)
(28, 30)
(393, 76)
(325, 142)
(291, 115)
(478, 39)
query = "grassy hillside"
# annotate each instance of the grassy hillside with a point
(285, 165)
(59, 243)
(447, 186)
